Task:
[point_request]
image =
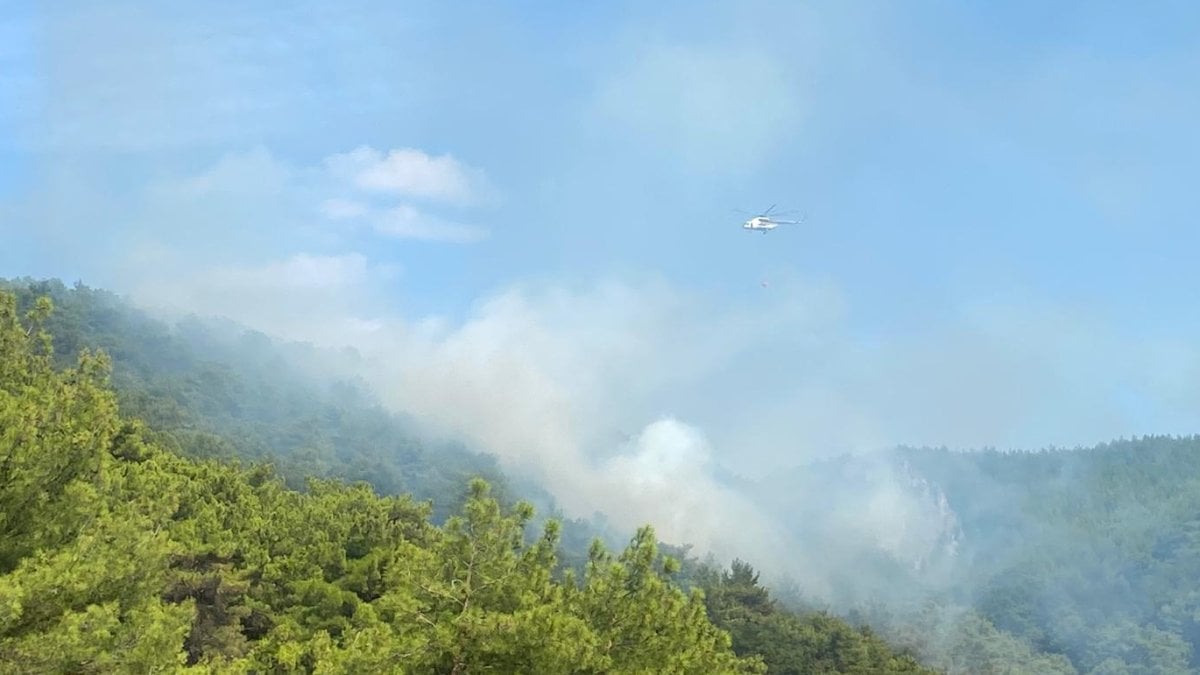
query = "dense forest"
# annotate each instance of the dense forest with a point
(117, 552)
(1092, 554)
(216, 390)
(1055, 561)
(1060, 561)
(207, 388)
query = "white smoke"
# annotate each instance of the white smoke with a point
(551, 377)
(667, 479)
(550, 380)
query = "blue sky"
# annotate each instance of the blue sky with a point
(999, 203)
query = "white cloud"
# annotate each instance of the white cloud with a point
(404, 173)
(407, 172)
(407, 222)
(256, 201)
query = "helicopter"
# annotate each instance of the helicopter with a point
(764, 222)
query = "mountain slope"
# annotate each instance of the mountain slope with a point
(217, 390)
(116, 555)
(1097, 557)
(211, 392)
(1092, 554)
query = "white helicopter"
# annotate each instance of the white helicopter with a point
(765, 222)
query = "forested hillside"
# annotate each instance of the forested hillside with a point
(1091, 553)
(1056, 561)
(214, 390)
(1084, 560)
(115, 554)
(119, 553)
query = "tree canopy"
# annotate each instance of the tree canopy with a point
(118, 555)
